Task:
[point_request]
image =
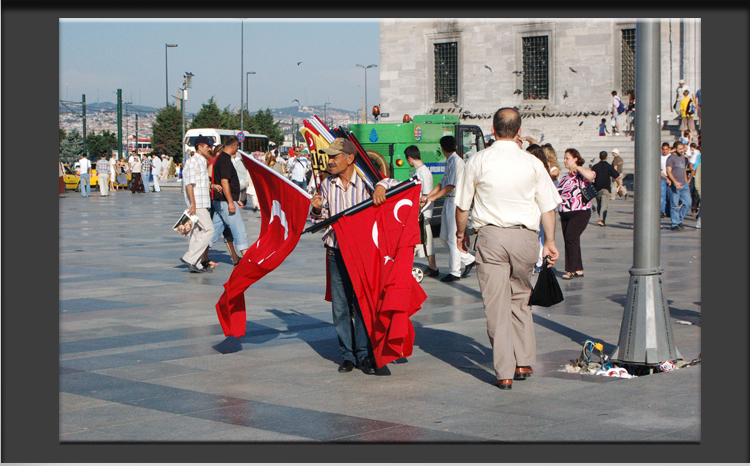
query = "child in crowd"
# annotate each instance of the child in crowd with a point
(603, 127)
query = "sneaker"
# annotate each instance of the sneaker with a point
(698, 224)
(450, 278)
(676, 228)
(600, 223)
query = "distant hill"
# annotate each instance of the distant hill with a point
(107, 106)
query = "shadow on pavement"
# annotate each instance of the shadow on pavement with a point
(574, 335)
(461, 352)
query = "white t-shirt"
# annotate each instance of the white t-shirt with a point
(84, 165)
(694, 156)
(664, 162)
(425, 176)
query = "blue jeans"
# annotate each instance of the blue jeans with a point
(85, 184)
(302, 184)
(222, 218)
(146, 177)
(353, 339)
(683, 194)
(664, 202)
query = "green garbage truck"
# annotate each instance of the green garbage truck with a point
(385, 144)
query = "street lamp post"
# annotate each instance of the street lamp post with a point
(247, 93)
(242, 71)
(294, 136)
(366, 68)
(325, 112)
(166, 65)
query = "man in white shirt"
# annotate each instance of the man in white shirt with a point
(198, 199)
(615, 114)
(156, 171)
(85, 167)
(414, 159)
(453, 165)
(679, 95)
(299, 170)
(511, 191)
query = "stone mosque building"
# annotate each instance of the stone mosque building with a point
(559, 73)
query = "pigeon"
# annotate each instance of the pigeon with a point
(565, 96)
(574, 71)
(518, 73)
(487, 66)
(544, 107)
(518, 91)
(579, 124)
(298, 63)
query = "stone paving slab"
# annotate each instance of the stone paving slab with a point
(143, 358)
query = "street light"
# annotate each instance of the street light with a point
(166, 65)
(294, 138)
(247, 93)
(366, 68)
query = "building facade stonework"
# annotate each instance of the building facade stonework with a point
(559, 73)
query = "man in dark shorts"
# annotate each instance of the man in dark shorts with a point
(226, 204)
(603, 184)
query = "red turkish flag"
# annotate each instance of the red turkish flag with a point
(284, 209)
(377, 245)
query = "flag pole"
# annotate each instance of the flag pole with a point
(399, 188)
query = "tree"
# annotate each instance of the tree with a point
(63, 133)
(263, 123)
(209, 116)
(166, 133)
(71, 148)
(100, 144)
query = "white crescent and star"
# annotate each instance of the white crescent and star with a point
(277, 212)
(400, 204)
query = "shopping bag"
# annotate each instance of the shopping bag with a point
(547, 291)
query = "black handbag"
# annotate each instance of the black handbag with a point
(588, 191)
(547, 291)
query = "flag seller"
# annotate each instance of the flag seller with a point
(511, 192)
(341, 190)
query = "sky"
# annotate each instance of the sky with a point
(99, 56)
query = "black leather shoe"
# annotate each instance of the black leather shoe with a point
(450, 278)
(346, 366)
(467, 269)
(431, 272)
(368, 367)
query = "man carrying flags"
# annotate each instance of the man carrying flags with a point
(341, 190)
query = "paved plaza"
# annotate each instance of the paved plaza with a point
(143, 358)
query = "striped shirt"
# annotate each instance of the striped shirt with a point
(453, 165)
(195, 172)
(102, 167)
(337, 198)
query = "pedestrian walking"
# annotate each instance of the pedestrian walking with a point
(339, 191)
(617, 108)
(575, 211)
(112, 171)
(453, 165)
(687, 113)
(617, 185)
(664, 205)
(414, 159)
(605, 173)
(198, 199)
(512, 194)
(680, 189)
(156, 172)
(146, 173)
(537, 151)
(102, 173)
(136, 185)
(227, 209)
(84, 165)
(630, 114)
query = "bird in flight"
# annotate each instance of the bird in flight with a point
(574, 71)
(565, 96)
(487, 66)
(298, 63)
(518, 91)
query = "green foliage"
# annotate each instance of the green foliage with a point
(167, 133)
(100, 144)
(63, 133)
(71, 148)
(263, 123)
(209, 116)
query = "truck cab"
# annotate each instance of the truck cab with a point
(385, 144)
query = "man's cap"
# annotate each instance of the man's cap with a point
(201, 139)
(338, 146)
(616, 151)
(681, 81)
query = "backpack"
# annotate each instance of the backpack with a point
(690, 111)
(620, 106)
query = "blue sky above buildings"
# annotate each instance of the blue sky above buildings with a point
(99, 56)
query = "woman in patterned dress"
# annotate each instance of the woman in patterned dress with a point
(574, 211)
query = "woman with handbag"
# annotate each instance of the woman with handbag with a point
(576, 190)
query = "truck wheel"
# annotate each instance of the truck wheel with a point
(379, 162)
